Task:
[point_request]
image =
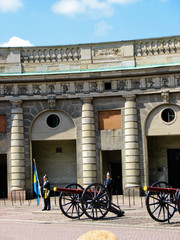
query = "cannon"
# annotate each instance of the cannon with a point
(94, 201)
(162, 201)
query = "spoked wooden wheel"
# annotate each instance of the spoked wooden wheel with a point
(70, 203)
(160, 206)
(96, 201)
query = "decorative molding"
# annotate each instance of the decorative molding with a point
(84, 87)
(165, 96)
(52, 102)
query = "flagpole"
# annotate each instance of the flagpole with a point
(39, 187)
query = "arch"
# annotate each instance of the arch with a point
(40, 130)
(155, 126)
(54, 147)
(160, 137)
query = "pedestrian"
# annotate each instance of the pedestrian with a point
(46, 193)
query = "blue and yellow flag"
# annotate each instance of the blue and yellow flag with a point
(36, 183)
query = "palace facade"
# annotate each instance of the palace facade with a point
(82, 110)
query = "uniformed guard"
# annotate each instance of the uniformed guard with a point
(46, 193)
(108, 183)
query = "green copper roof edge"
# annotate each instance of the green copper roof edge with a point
(91, 70)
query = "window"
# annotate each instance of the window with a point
(2, 123)
(53, 121)
(168, 115)
(109, 120)
(107, 85)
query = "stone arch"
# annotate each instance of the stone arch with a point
(54, 148)
(41, 131)
(154, 124)
(161, 137)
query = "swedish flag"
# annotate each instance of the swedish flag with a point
(36, 183)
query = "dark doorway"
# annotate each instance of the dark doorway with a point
(3, 176)
(111, 162)
(174, 167)
(116, 173)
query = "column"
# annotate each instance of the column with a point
(132, 167)
(17, 148)
(88, 143)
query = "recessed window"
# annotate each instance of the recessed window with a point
(107, 85)
(2, 123)
(58, 150)
(53, 121)
(168, 115)
(109, 120)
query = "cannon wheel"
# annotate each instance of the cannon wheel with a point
(95, 201)
(160, 206)
(70, 203)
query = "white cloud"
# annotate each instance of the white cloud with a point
(68, 7)
(10, 5)
(102, 29)
(92, 7)
(122, 2)
(16, 42)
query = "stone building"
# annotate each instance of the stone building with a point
(83, 110)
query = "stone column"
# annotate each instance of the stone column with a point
(17, 149)
(88, 143)
(132, 167)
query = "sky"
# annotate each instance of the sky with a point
(68, 22)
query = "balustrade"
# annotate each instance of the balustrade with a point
(34, 55)
(147, 48)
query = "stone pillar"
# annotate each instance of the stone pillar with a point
(17, 150)
(88, 143)
(132, 167)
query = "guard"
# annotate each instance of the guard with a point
(46, 193)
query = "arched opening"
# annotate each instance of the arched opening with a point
(163, 145)
(53, 136)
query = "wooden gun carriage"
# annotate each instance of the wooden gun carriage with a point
(162, 201)
(95, 201)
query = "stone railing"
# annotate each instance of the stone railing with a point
(90, 56)
(149, 47)
(41, 55)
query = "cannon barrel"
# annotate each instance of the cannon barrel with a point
(161, 190)
(68, 190)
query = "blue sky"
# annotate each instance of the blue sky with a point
(62, 22)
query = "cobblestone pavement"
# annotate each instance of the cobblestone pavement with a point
(28, 222)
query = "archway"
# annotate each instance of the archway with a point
(163, 134)
(54, 147)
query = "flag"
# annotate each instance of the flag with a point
(36, 183)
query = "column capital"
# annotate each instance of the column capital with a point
(87, 100)
(16, 103)
(129, 97)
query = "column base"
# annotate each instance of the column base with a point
(132, 191)
(17, 195)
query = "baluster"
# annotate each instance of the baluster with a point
(65, 56)
(53, 56)
(47, 56)
(36, 56)
(177, 45)
(41, 56)
(166, 47)
(58, 55)
(31, 57)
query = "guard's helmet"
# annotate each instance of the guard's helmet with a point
(45, 176)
